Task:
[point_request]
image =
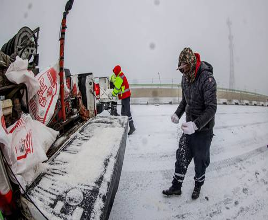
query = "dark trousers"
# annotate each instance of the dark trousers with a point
(125, 110)
(197, 147)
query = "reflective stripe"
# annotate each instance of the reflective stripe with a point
(122, 77)
(180, 175)
(124, 91)
(199, 178)
(200, 181)
(179, 180)
(116, 88)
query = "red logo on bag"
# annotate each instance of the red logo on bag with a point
(25, 147)
(41, 103)
(41, 91)
(19, 123)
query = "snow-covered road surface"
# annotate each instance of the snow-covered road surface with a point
(236, 184)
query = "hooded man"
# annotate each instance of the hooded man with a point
(199, 101)
(122, 90)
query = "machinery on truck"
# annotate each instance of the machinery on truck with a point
(80, 176)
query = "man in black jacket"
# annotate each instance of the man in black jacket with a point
(200, 104)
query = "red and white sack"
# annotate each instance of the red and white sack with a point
(30, 141)
(42, 105)
(5, 143)
(26, 147)
(17, 73)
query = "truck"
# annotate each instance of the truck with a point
(80, 175)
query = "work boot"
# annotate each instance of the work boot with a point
(114, 112)
(114, 109)
(196, 192)
(132, 128)
(173, 190)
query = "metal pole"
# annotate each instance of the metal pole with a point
(159, 78)
(68, 7)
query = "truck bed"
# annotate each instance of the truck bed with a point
(80, 180)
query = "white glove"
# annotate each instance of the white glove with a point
(110, 95)
(174, 118)
(188, 127)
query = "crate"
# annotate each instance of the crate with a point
(6, 107)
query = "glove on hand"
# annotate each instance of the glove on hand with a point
(110, 95)
(188, 127)
(175, 119)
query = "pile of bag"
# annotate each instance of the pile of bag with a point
(25, 143)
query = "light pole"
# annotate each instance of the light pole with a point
(159, 78)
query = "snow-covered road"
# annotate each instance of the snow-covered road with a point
(236, 184)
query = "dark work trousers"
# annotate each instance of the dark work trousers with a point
(125, 110)
(197, 147)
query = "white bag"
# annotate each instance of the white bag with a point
(26, 144)
(42, 105)
(17, 73)
(26, 148)
(46, 135)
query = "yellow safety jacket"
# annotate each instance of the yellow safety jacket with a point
(121, 86)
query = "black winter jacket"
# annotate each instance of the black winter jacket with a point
(199, 99)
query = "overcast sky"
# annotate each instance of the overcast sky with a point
(146, 36)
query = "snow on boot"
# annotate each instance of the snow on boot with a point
(172, 191)
(196, 192)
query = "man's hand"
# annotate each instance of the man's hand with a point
(189, 127)
(175, 119)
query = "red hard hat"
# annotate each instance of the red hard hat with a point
(117, 70)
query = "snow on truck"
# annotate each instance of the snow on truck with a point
(58, 158)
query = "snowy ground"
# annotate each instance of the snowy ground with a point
(236, 184)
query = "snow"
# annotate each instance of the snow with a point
(70, 174)
(236, 185)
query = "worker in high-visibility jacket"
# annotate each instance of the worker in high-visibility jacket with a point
(122, 90)
(113, 103)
